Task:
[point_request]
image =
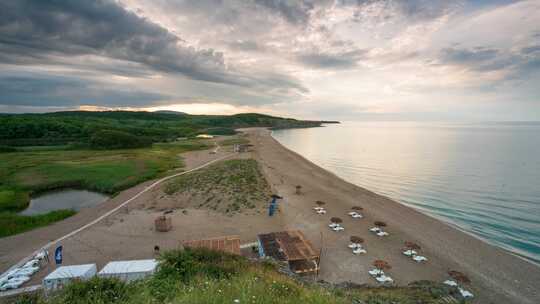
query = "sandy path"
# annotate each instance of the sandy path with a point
(497, 276)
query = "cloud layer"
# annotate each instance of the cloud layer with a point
(300, 58)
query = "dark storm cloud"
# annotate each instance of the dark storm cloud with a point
(45, 91)
(35, 31)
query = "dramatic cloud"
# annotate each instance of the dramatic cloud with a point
(332, 59)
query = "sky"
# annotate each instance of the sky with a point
(319, 59)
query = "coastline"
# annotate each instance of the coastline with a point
(442, 219)
(496, 273)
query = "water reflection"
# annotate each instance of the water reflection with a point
(64, 199)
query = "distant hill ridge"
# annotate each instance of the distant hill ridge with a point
(59, 128)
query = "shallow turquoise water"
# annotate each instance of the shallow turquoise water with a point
(484, 178)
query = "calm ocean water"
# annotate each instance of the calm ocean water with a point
(483, 178)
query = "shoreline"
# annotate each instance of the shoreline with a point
(425, 212)
(515, 270)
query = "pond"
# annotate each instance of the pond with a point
(63, 199)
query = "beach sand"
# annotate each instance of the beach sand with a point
(497, 276)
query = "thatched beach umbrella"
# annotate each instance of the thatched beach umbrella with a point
(356, 239)
(380, 224)
(381, 264)
(298, 189)
(459, 276)
(336, 220)
(357, 208)
(320, 203)
(412, 245)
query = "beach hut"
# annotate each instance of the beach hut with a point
(128, 271)
(229, 244)
(291, 247)
(65, 274)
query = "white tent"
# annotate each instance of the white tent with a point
(65, 274)
(128, 270)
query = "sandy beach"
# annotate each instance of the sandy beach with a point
(497, 276)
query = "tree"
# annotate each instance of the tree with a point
(109, 139)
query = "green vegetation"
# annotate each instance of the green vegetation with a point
(107, 171)
(234, 141)
(79, 127)
(13, 223)
(198, 276)
(227, 186)
(110, 139)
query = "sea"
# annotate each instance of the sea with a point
(483, 178)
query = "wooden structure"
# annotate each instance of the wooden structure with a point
(291, 247)
(229, 244)
(163, 223)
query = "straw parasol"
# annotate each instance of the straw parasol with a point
(356, 239)
(298, 189)
(357, 208)
(336, 220)
(381, 264)
(380, 224)
(459, 276)
(320, 203)
(412, 245)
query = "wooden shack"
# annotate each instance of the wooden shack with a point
(163, 223)
(291, 247)
(229, 244)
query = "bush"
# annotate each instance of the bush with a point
(110, 139)
(95, 290)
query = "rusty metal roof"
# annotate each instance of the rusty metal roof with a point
(230, 244)
(287, 246)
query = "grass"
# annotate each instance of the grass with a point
(227, 186)
(23, 174)
(13, 223)
(201, 276)
(234, 141)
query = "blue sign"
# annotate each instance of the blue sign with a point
(58, 255)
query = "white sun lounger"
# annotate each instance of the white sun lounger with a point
(352, 212)
(375, 229)
(358, 215)
(419, 258)
(465, 293)
(384, 279)
(382, 233)
(321, 212)
(332, 225)
(338, 228)
(375, 272)
(359, 250)
(354, 245)
(409, 252)
(450, 283)
(318, 208)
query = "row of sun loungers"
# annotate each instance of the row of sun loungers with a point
(378, 231)
(355, 215)
(336, 227)
(357, 248)
(319, 210)
(464, 293)
(379, 275)
(20, 275)
(414, 255)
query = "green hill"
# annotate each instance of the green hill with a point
(78, 127)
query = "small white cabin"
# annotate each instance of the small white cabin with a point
(65, 274)
(128, 270)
